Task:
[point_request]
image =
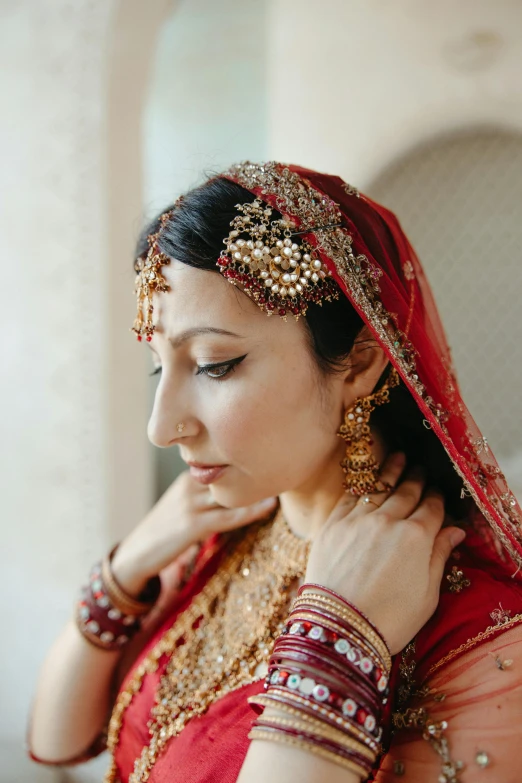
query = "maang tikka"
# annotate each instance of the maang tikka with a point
(149, 278)
(281, 275)
(359, 465)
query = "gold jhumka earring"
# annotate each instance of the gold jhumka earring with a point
(359, 465)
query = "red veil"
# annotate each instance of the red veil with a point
(377, 268)
(468, 657)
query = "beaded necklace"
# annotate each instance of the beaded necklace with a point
(222, 640)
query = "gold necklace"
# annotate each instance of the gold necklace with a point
(226, 633)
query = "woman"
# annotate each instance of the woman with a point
(318, 589)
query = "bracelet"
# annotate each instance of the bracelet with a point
(342, 600)
(348, 646)
(305, 724)
(105, 615)
(340, 673)
(320, 692)
(347, 749)
(348, 618)
(328, 674)
(318, 750)
(313, 617)
(299, 707)
(120, 599)
(292, 701)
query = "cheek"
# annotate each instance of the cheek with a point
(275, 431)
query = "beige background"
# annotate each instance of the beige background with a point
(110, 109)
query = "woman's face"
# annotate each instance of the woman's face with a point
(247, 389)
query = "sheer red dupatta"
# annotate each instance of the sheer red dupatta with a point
(378, 270)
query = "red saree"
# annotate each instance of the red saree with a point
(456, 711)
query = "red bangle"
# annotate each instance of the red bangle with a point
(322, 713)
(105, 615)
(347, 603)
(345, 705)
(347, 676)
(343, 626)
(321, 742)
(368, 663)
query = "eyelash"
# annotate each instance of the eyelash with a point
(205, 369)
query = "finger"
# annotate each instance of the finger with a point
(392, 468)
(390, 474)
(430, 512)
(405, 499)
(445, 542)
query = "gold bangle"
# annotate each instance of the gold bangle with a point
(271, 736)
(125, 603)
(321, 730)
(265, 700)
(341, 610)
(352, 617)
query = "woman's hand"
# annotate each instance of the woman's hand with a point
(387, 561)
(184, 515)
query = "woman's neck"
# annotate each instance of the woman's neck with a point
(307, 508)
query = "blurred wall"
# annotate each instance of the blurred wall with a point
(201, 124)
(76, 468)
(353, 85)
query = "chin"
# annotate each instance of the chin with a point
(238, 497)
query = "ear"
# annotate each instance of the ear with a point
(367, 362)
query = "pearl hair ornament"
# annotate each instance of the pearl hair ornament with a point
(279, 274)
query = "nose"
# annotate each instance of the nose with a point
(170, 421)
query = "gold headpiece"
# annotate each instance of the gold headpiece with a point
(149, 280)
(279, 274)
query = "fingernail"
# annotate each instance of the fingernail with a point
(457, 537)
(267, 502)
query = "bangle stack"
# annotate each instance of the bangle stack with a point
(105, 614)
(327, 682)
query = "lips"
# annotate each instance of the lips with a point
(206, 474)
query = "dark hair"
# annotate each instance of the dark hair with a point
(195, 236)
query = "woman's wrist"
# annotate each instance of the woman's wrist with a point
(128, 574)
(107, 615)
(327, 682)
(133, 567)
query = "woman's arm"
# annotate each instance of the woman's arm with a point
(76, 685)
(287, 764)
(72, 698)
(360, 555)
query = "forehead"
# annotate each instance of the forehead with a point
(197, 295)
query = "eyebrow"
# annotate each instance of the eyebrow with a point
(190, 333)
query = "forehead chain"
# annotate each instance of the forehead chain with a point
(279, 274)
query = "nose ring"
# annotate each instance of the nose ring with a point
(180, 427)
